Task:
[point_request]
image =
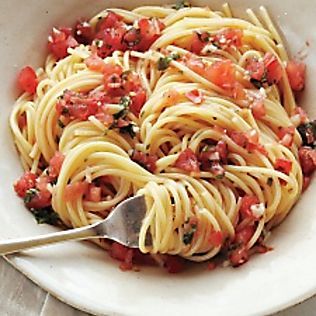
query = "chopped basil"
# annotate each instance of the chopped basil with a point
(30, 194)
(124, 102)
(258, 83)
(180, 4)
(308, 133)
(188, 236)
(46, 216)
(164, 62)
(129, 129)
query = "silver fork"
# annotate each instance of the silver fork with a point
(122, 225)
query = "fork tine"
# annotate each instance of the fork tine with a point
(124, 223)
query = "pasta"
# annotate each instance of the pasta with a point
(190, 107)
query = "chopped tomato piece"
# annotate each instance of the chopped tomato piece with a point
(283, 165)
(27, 80)
(221, 73)
(137, 101)
(55, 164)
(229, 37)
(303, 115)
(286, 135)
(198, 42)
(94, 193)
(123, 254)
(59, 41)
(239, 138)
(256, 69)
(258, 109)
(75, 190)
(296, 73)
(215, 238)
(244, 235)
(145, 160)
(112, 77)
(247, 202)
(84, 32)
(196, 96)
(42, 198)
(307, 158)
(174, 264)
(77, 105)
(111, 20)
(95, 63)
(26, 182)
(239, 256)
(211, 266)
(273, 68)
(188, 161)
(105, 118)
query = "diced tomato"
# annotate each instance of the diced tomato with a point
(75, 190)
(196, 96)
(112, 77)
(84, 32)
(55, 164)
(26, 182)
(229, 37)
(95, 63)
(59, 41)
(273, 68)
(145, 160)
(296, 73)
(217, 170)
(110, 21)
(42, 198)
(27, 80)
(174, 264)
(94, 193)
(22, 121)
(258, 109)
(286, 135)
(111, 39)
(198, 41)
(215, 238)
(150, 31)
(247, 202)
(239, 256)
(188, 161)
(283, 165)
(194, 63)
(307, 158)
(123, 254)
(122, 123)
(211, 266)
(244, 235)
(239, 138)
(77, 105)
(255, 68)
(137, 101)
(105, 118)
(221, 73)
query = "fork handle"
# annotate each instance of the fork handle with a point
(16, 245)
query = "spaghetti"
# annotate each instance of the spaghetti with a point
(190, 107)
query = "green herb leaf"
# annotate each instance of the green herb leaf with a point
(46, 216)
(269, 181)
(188, 236)
(180, 4)
(129, 129)
(60, 124)
(30, 194)
(164, 62)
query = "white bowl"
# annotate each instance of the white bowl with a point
(84, 275)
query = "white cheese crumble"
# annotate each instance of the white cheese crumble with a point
(257, 209)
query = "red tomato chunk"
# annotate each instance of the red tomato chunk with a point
(188, 161)
(296, 73)
(307, 158)
(145, 160)
(283, 165)
(55, 164)
(26, 182)
(27, 80)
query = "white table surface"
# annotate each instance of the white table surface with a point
(20, 297)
